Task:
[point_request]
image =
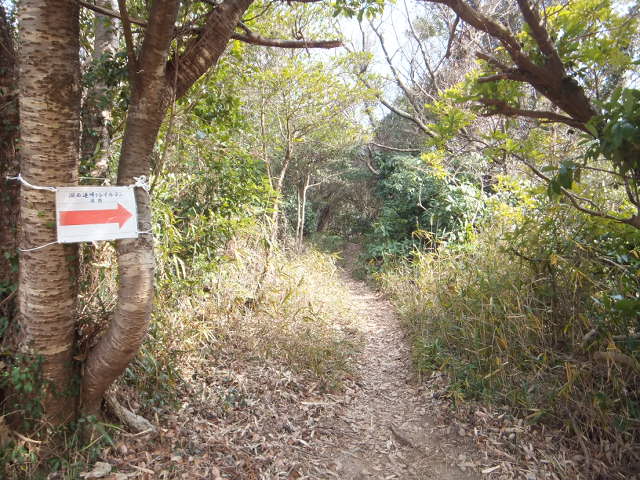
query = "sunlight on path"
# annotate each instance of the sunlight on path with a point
(386, 430)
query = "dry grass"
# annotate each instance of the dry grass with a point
(292, 310)
(241, 360)
(257, 354)
(513, 336)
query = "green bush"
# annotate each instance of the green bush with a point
(419, 208)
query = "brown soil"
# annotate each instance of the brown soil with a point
(387, 429)
(243, 417)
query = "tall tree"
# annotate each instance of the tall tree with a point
(49, 128)
(156, 79)
(573, 58)
(170, 58)
(152, 91)
(302, 103)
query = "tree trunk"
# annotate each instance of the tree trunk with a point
(323, 218)
(303, 211)
(49, 115)
(298, 212)
(95, 133)
(150, 100)
(9, 191)
(275, 215)
(275, 221)
(302, 206)
(154, 86)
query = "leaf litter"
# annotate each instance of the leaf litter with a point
(254, 417)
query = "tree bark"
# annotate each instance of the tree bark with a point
(302, 211)
(49, 80)
(298, 215)
(9, 191)
(151, 96)
(275, 215)
(204, 51)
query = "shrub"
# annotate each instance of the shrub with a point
(419, 208)
(538, 313)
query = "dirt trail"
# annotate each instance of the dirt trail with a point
(387, 430)
(246, 418)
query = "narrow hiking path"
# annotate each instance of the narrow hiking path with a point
(387, 430)
(242, 415)
(239, 415)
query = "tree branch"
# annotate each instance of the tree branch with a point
(541, 36)
(394, 149)
(399, 112)
(423, 50)
(132, 61)
(204, 50)
(500, 107)
(452, 34)
(493, 62)
(562, 91)
(110, 13)
(396, 75)
(512, 75)
(483, 23)
(255, 39)
(407, 116)
(369, 161)
(505, 72)
(634, 220)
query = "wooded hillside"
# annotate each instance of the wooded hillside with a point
(189, 190)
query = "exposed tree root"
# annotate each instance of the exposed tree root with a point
(135, 422)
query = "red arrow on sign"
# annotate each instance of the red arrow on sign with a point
(118, 215)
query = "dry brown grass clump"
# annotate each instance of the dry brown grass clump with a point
(241, 360)
(291, 309)
(529, 332)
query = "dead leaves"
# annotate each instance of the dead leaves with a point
(253, 418)
(100, 470)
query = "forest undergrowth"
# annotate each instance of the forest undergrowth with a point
(534, 315)
(229, 373)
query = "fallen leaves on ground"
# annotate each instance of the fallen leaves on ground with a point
(254, 418)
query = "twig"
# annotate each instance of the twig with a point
(132, 63)
(26, 439)
(8, 298)
(394, 149)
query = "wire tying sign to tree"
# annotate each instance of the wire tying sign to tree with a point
(88, 214)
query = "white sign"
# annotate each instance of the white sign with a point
(87, 214)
